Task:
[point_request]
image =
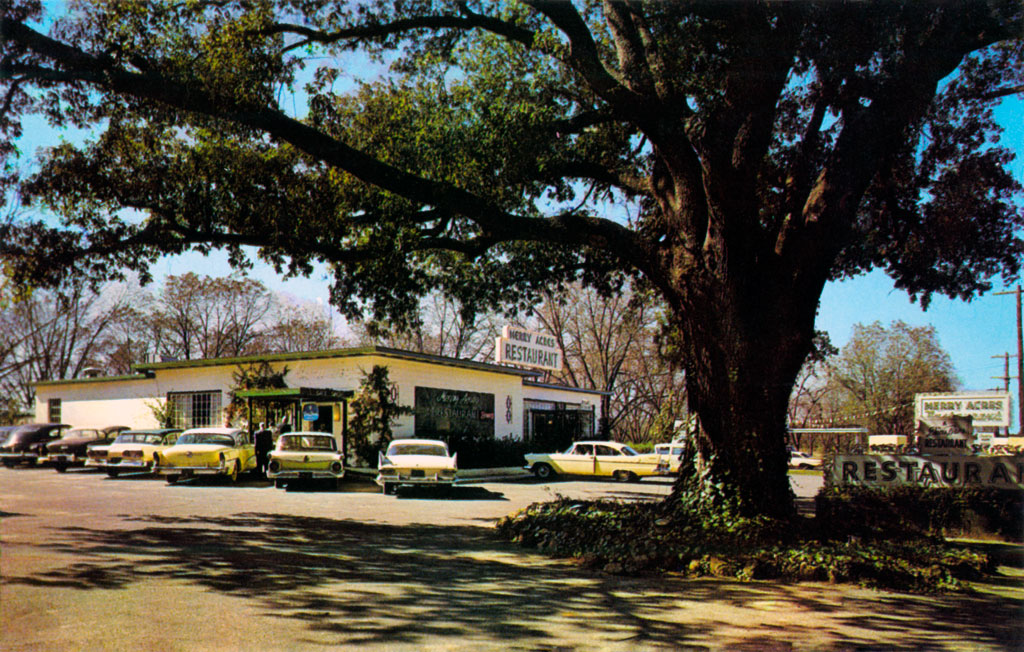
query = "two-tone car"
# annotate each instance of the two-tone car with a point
(416, 462)
(132, 451)
(672, 453)
(27, 444)
(300, 456)
(73, 448)
(224, 452)
(598, 458)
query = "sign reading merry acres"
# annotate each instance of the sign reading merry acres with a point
(527, 349)
(997, 471)
(987, 409)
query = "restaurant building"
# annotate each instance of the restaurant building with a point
(448, 395)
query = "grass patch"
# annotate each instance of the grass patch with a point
(629, 538)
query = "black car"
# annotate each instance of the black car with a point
(28, 443)
(72, 449)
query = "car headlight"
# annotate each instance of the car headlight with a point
(274, 466)
(336, 467)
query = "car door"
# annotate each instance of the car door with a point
(579, 460)
(246, 451)
(608, 460)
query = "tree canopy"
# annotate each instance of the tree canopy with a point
(764, 148)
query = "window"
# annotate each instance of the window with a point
(194, 409)
(53, 410)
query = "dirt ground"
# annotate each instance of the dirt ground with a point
(93, 563)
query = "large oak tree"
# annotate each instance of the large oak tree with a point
(768, 147)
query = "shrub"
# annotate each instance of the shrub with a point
(906, 512)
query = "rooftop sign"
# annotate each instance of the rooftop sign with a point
(527, 349)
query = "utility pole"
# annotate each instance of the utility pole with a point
(1020, 359)
(1005, 378)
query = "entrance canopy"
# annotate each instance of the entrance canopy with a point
(296, 396)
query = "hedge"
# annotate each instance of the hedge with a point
(915, 511)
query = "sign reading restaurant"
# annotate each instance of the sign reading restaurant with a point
(987, 409)
(999, 471)
(527, 349)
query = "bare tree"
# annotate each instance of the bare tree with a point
(210, 317)
(52, 335)
(298, 328)
(442, 328)
(609, 343)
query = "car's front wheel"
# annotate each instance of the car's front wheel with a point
(235, 468)
(112, 473)
(543, 471)
(61, 467)
(172, 478)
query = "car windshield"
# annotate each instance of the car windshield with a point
(138, 438)
(82, 433)
(307, 443)
(206, 438)
(417, 449)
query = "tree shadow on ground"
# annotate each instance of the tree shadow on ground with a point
(358, 583)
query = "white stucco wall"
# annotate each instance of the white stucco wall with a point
(123, 401)
(101, 403)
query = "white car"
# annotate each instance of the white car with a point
(132, 451)
(671, 453)
(416, 462)
(802, 460)
(305, 456)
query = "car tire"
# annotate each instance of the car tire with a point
(386, 489)
(9, 464)
(278, 484)
(61, 468)
(172, 478)
(113, 473)
(234, 471)
(543, 471)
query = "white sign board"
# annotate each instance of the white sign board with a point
(1003, 472)
(988, 409)
(527, 349)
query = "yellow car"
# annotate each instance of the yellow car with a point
(598, 458)
(207, 451)
(305, 456)
(132, 451)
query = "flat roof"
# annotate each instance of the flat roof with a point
(564, 388)
(297, 393)
(94, 379)
(381, 351)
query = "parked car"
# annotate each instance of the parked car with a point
(305, 456)
(5, 432)
(598, 458)
(422, 462)
(671, 453)
(72, 449)
(27, 444)
(802, 460)
(132, 451)
(207, 451)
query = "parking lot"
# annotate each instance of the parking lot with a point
(89, 562)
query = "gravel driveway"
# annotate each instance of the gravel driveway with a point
(93, 563)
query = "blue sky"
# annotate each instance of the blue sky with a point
(971, 332)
